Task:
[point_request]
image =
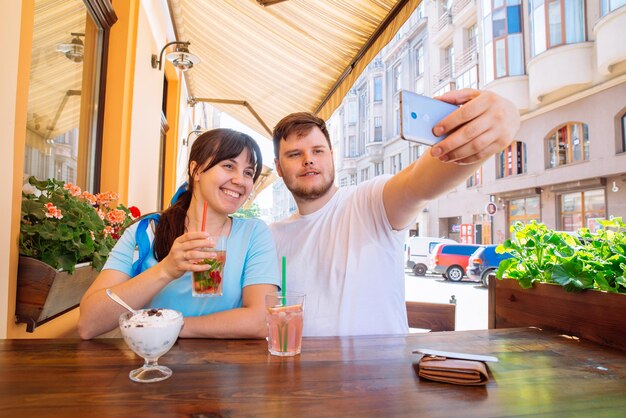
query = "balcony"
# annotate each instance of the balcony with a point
(375, 151)
(348, 165)
(560, 71)
(444, 76)
(463, 11)
(442, 29)
(610, 52)
(469, 58)
(513, 88)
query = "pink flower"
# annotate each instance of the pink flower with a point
(116, 217)
(74, 190)
(89, 198)
(108, 230)
(105, 197)
(53, 211)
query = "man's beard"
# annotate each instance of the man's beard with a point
(311, 193)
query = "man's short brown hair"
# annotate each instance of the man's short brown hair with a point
(299, 123)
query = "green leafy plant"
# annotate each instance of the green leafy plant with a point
(63, 226)
(579, 261)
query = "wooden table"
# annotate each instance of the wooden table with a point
(539, 373)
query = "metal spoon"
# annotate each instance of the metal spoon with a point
(120, 301)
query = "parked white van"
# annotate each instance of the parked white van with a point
(418, 250)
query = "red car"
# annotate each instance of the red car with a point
(451, 259)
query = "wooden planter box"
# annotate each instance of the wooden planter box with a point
(44, 293)
(593, 315)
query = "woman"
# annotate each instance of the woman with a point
(223, 166)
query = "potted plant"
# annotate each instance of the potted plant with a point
(575, 283)
(65, 238)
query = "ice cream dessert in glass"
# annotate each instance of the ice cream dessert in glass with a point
(150, 333)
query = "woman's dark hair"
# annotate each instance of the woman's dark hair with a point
(208, 150)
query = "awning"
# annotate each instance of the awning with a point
(277, 57)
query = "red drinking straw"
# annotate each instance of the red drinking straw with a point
(204, 215)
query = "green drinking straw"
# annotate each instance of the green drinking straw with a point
(284, 283)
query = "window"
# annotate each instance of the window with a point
(64, 120)
(567, 144)
(511, 161)
(343, 182)
(556, 22)
(379, 169)
(397, 78)
(378, 128)
(365, 173)
(352, 179)
(378, 89)
(396, 115)
(351, 147)
(582, 209)
(419, 69)
(415, 151)
(395, 163)
(468, 80)
(506, 37)
(471, 34)
(609, 5)
(352, 112)
(419, 60)
(524, 210)
(475, 179)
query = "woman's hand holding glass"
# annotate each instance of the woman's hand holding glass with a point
(186, 254)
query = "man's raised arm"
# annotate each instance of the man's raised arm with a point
(484, 125)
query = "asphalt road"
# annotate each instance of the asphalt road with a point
(471, 297)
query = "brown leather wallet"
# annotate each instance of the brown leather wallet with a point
(458, 372)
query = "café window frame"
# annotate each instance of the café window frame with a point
(67, 91)
(581, 209)
(567, 144)
(524, 209)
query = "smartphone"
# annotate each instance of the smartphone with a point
(419, 115)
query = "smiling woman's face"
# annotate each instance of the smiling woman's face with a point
(225, 186)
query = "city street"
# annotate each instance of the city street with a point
(471, 297)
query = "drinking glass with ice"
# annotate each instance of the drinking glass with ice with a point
(150, 333)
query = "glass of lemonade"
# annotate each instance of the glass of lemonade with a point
(209, 282)
(284, 317)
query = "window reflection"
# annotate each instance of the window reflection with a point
(60, 133)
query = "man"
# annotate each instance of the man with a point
(344, 246)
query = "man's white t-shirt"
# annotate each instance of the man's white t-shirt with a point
(347, 259)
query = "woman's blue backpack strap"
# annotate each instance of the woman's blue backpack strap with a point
(141, 234)
(182, 189)
(143, 242)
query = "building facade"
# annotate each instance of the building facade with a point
(557, 62)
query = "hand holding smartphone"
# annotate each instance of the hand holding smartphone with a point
(419, 115)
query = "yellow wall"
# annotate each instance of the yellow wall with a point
(16, 28)
(173, 117)
(119, 98)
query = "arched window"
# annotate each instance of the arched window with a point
(556, 22)
(567, 144)
(511, 161)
